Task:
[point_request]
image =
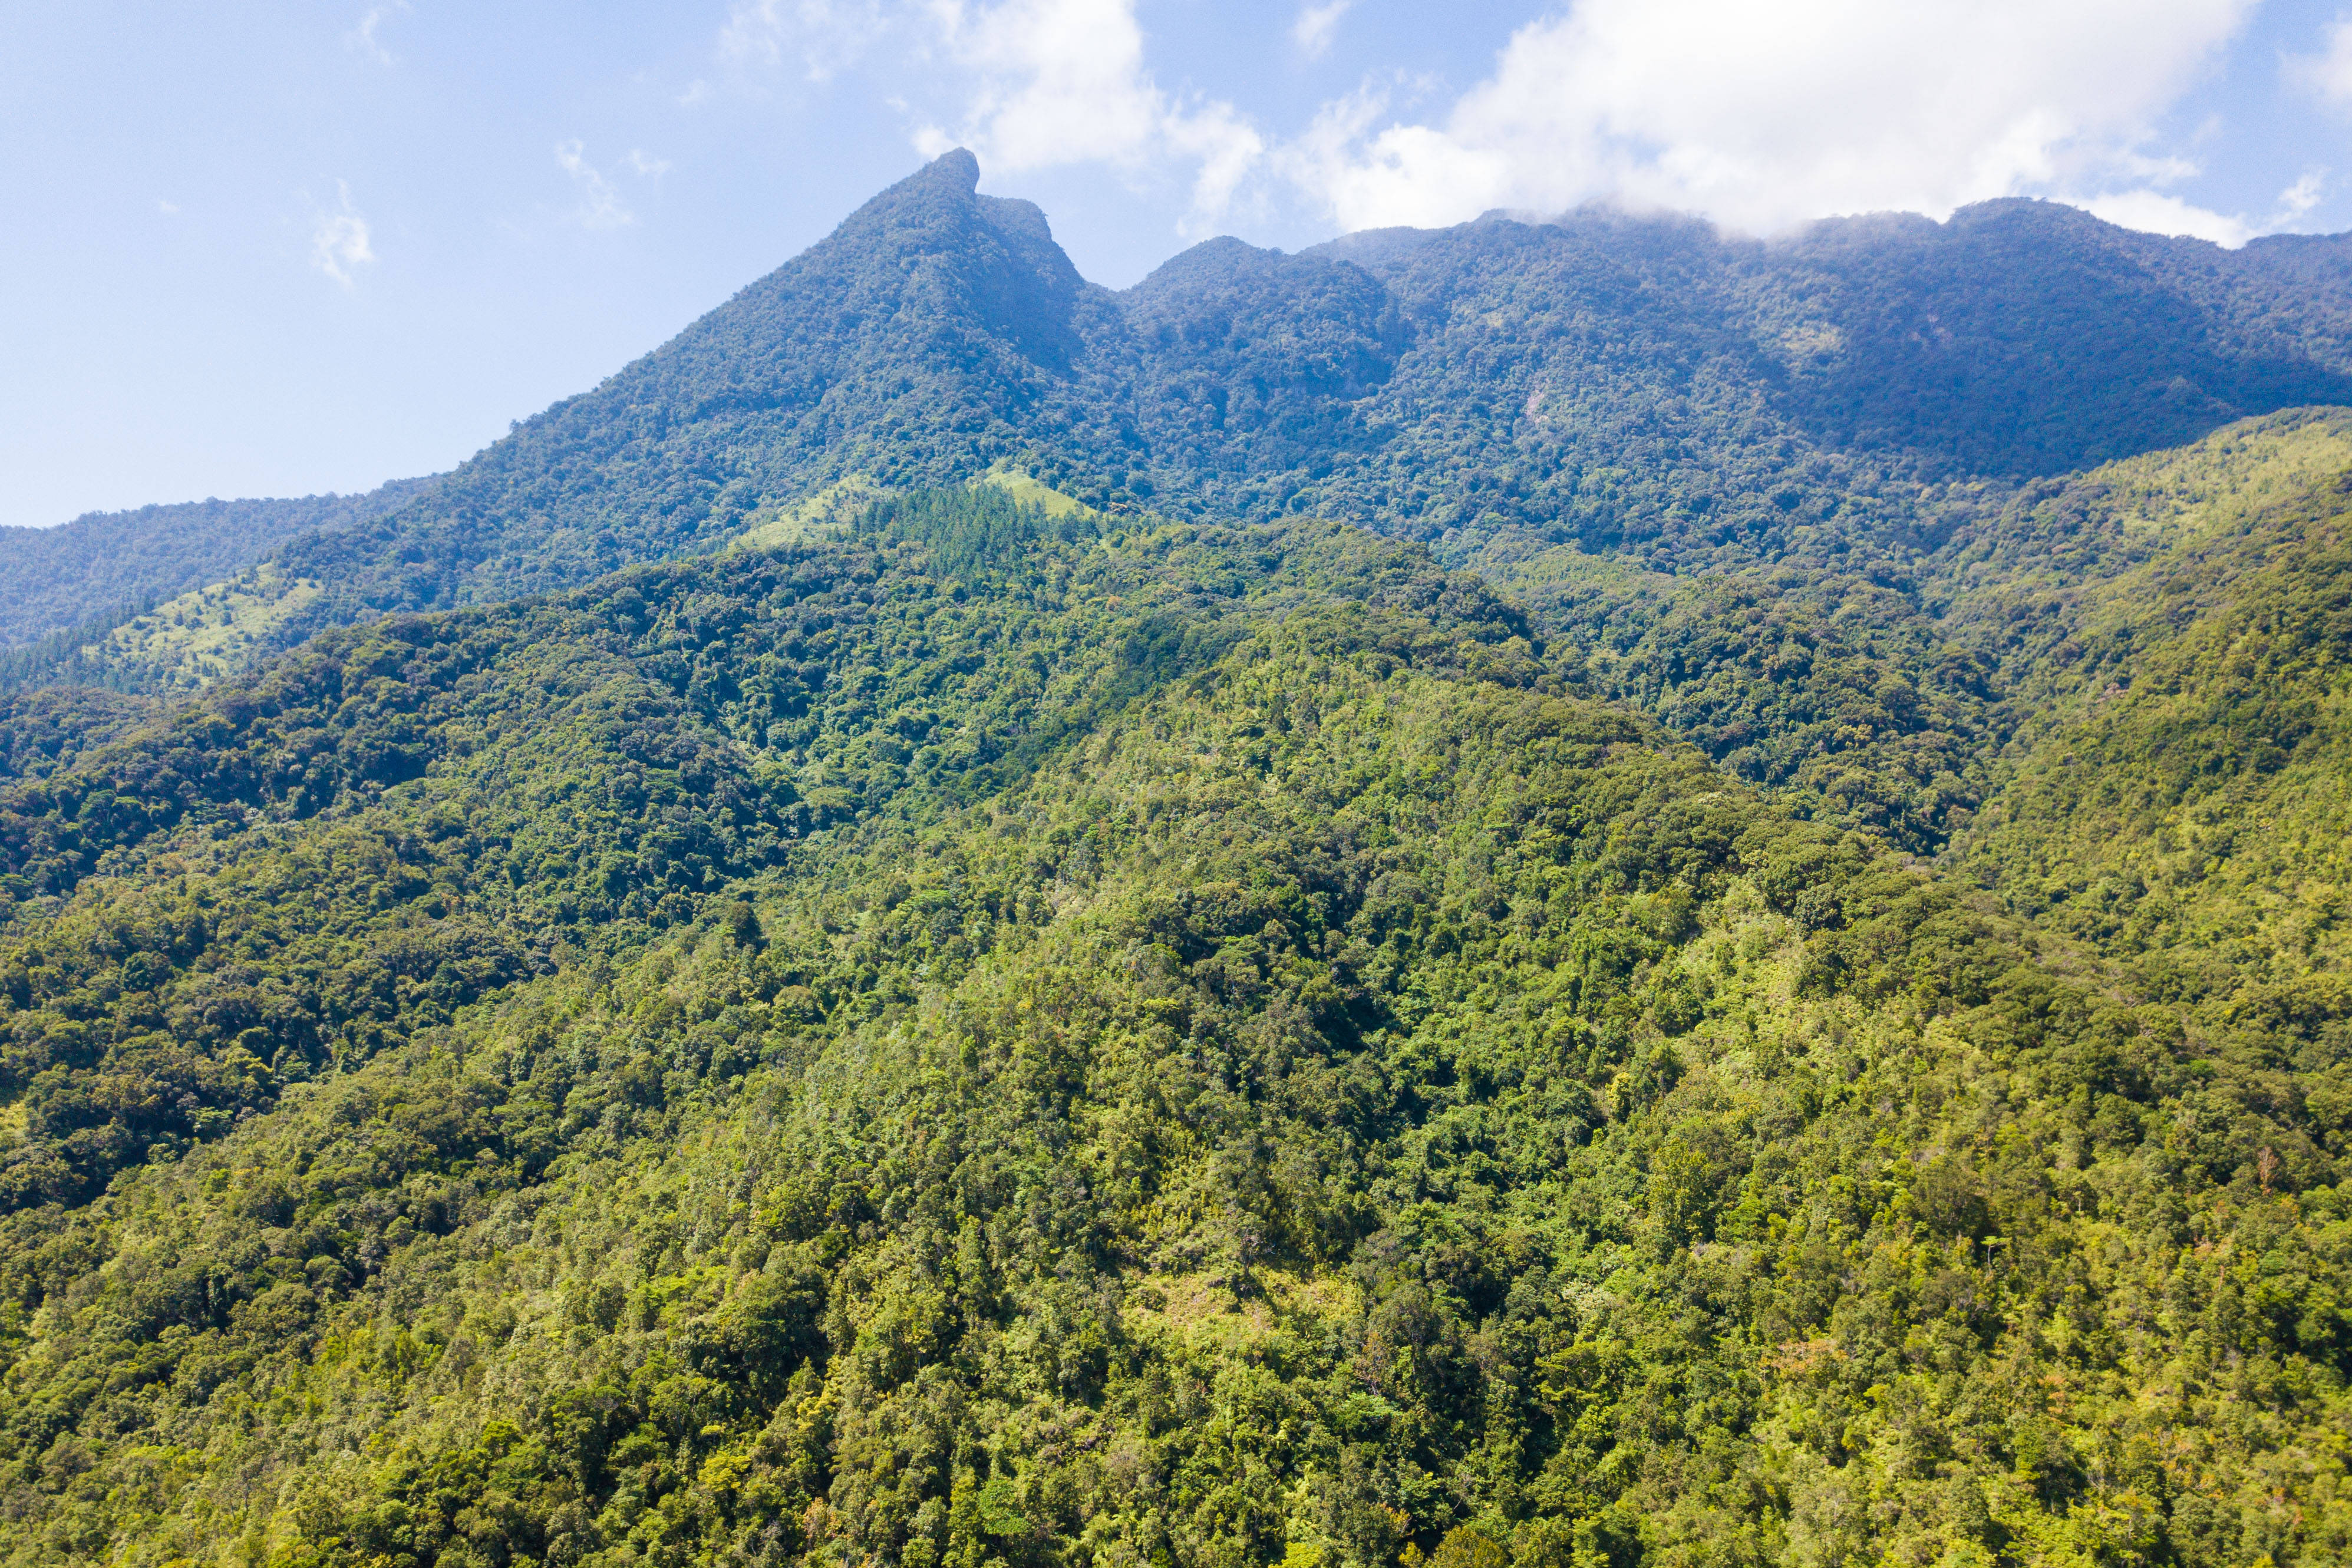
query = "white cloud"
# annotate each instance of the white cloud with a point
(339, 240)
(364, 37)
(601, 206)
(1055, 82)
(646, 163)
(2329, 72)
(1312, 32)
(1764, 115)
(163, 206)
(2157, 213)
(2296, 201)
(1026, 84)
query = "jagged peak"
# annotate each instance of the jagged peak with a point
(959, 169)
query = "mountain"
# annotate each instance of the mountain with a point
(1653, 385)
(1894, 698)
(2175, 795)
(82, 580)
(1644, 385)
(1752, 973)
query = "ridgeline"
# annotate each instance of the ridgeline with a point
(1538, 896)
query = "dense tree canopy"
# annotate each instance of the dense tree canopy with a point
(1648, 386)
(1020, 1037)
(1545, 895)
(71, 585)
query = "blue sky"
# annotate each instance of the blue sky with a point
(280, 248)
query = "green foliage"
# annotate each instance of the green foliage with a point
(46, 728)
(2179, 804)
(65, 587)
(1886, 698)
(326, 857)
(976, 532)
(1645, 386)
(986, 1026)
(1836, 689)
(59, 657)
(1004, 1042)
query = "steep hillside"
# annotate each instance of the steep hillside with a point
(1901, 699)
(1006, 1037)
(1650, 384)
(2181, 795)
(1647, 386)
(791, 686)
(46, 729)
(2118, 703)
(917, 341)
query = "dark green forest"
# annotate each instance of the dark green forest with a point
(1538, 896)
(1015, 1039)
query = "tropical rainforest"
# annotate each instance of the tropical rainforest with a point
(1547, 895)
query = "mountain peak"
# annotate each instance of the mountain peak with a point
(958, 168)
(1392, 378)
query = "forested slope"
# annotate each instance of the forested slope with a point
(1647, 385)
(2180, 794)
(1653, 386)
(77, 580)
(1899, 696)
(1591, 894)
(1003, 1038)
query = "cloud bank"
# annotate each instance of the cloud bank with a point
(1760, 114)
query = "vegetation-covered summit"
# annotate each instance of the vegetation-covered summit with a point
(1647, 386)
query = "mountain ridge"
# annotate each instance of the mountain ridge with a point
(58, 579)
(876, 945)
(1640, 384)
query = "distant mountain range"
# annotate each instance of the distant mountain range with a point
(106, 567)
